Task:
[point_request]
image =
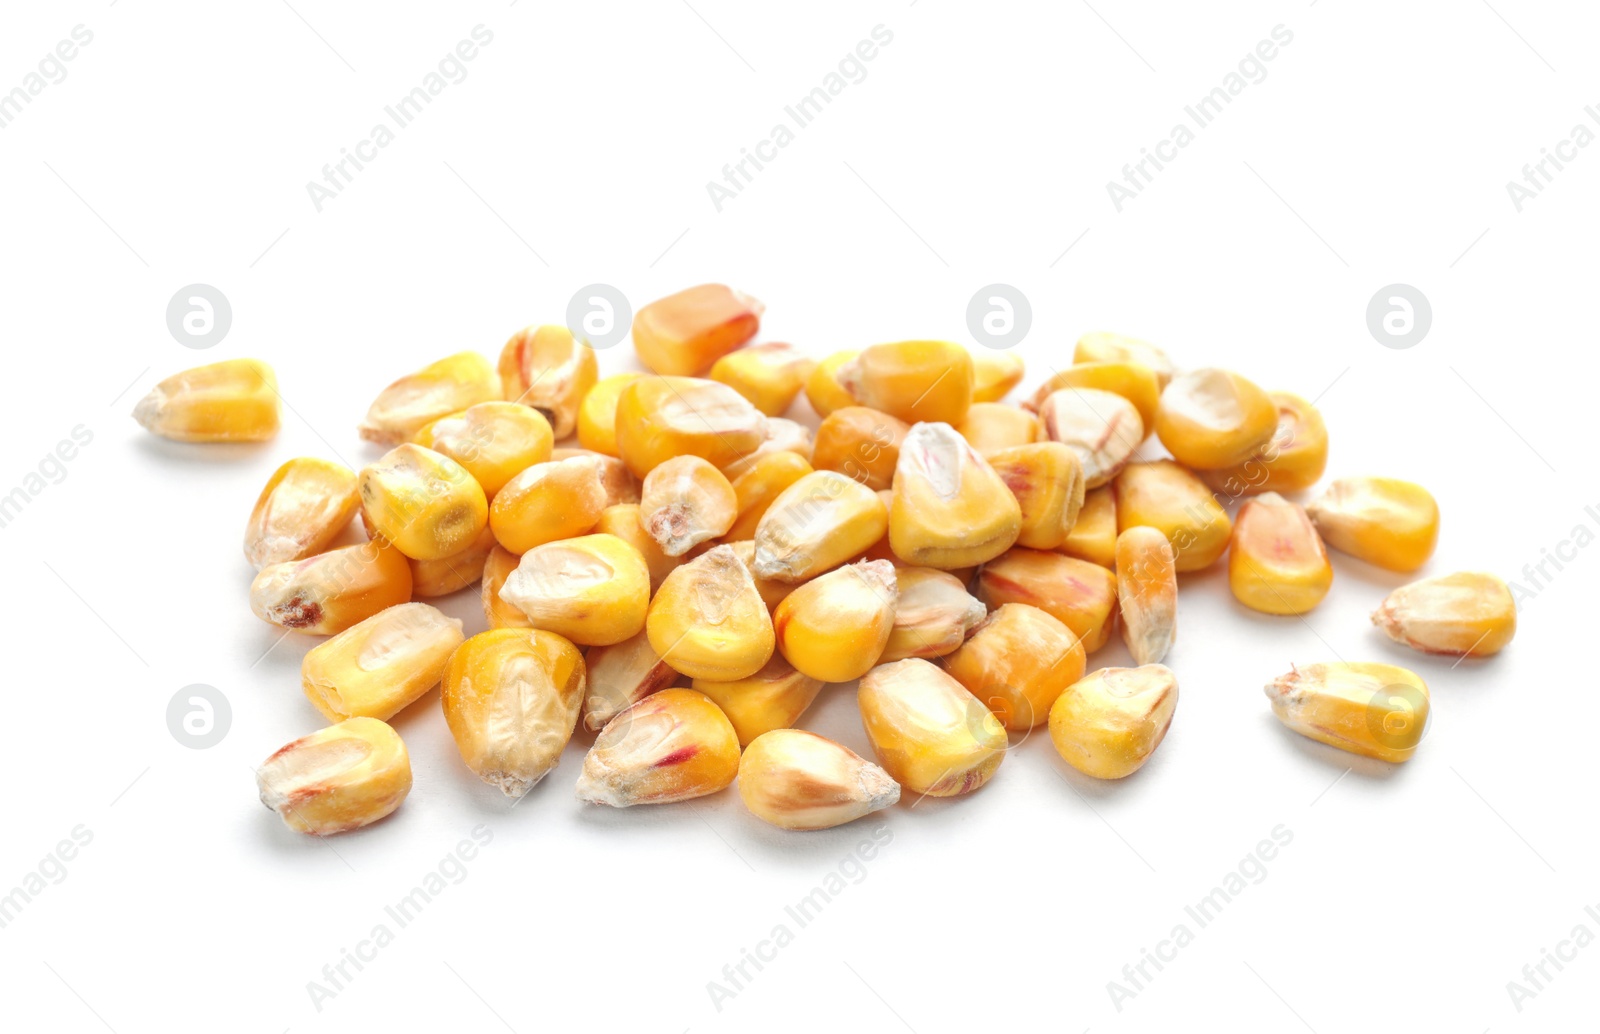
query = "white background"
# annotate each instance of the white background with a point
(977, 149)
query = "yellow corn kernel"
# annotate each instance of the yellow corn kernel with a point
(621, 675)
(994, 374)
(1466, 614)
(615, 478)
(1211, 419)
(547, 502)
(231, 401)
(931, 735)
(683, 334)
(1102, 428)
(438, 389)
(1147, 593)
(823, 389)
(1108, 724)
(1135, 382)
(548, 370)
(662, 417)
(623, 521)
(818, 523)
(494, 441)
(759, 486)
(674, 745)
(860, 443)
(594, 590)
(835, 627)
(424, 503)
(330, 592)
(1094, 536)
(1081, 595)
(597, 413)
(771, 590)
(933, 614)
(431, 578)
(686, 501)
(1375, 710)
(773, 698)
(799, 780)
(1291, 461)
(375, 668)
(511, 698)
(769, 375)
(1017, 662)
(1165, 496)
(337, 779)
(302, 509)
(709, 622)
(496, 611)
(1277, 563)
(1393, 524)
(914, 381)
(1101, 347)
(989, 426)
(950, 508)
(1047, 479)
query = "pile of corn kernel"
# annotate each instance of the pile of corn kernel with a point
(958, 555)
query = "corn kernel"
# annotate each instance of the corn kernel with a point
(549, 501)
(594, 590)
(769, 375)
(438, 389)
(1291, 461)
(950, 508)
(759, 486)
(547, 369)
(623, 521)
(799, 780)
(773, 698)
(303, 508)
(621, 675)
(494, 441)
(1164, 496)
(990, 426)
(932, 736)
(771, 590)
(1102, 428)
(597, 413)
(823, 389)
(662, 417)
(1101, 347)
(860, 443)
(1081, 595)
(231, 401)
(1135, 382)
(1094, 536)
(1212, 419)
(994, 374)
(1466, 614)
(780, 436)
(1108, 724)
(375, 668)
(683, 334)
(431, 578)
(709, 622)
(818, 523)
(332, 591)
(496, 611)
(686, 501)
(1375, 710)
(1277, 563)
(424, 503)
(914, 381)
(1147, 593)
(674, 745)
(1017, 662)
(1393, 524)
(337, 779)
(511, 699)
(835, 627)
(1047, 479)
(933, 614)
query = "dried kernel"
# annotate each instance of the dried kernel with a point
(686, 501)
(1017, 662)
(799, 780)
(823, 389)
(915, 381)
(860, 443)
(780, 435)
(1102, 428)
(549, 501)
(931, 735)
(1135, 382)
(683, 334)
(1108, 724)
(375, 668)
(818, 523)
(1147, 593)
(496, 569)
(337, 779)
(594, 590)
(232, 401)
(950, 508)
(494, 441)
(1291, 461)
(1466, 614)
(622, 520)
(662, 417)
(1165, 496)
(1079, 594)
(1094, 536)
(759, 486)
(1393, 524)
(548, 370)
(1277, 563)
(932, 616)
(426, 504)
(1101, 347)
(1047, 479)
(771, 590)
(597, 413)
(674, 745)
(1375, 710)
(439, 389)
(1212, 419)
(330, 592)
(773, 698)
(835, 627)
(709, 622)
(621, 675)
(303, 508)
(994, 374)
(769, 375)
(990, 426)
(441, 577)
